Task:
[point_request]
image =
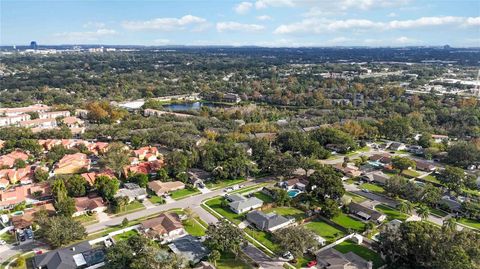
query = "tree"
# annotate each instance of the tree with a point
(406, 207)
(138, 252)
(224, 237)
(431, 195)
(61, 230)
(119, 204)
(124, 222)
(425, 140)
(139, 178)
(177, 162)
(19, 163)
(214, 256)
(396, 128)
(40, 175)
(162, 175)
(76, 185)
(107, 187)
(20, 262)
(417, 244)
(403, 163)
(452, 177)
(65, 207)
(462, 154)
(59, 190)
(327, 182)
(281, 197)
(297, 240)
(116, 157)
(450, 224)
(423, 212)
(330, 208)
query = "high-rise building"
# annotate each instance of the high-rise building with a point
(33, 45)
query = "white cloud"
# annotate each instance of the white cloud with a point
(164, 24)
(405, 40)
(240, 27)
(341, 40)
(313, 25)
(264, 18)
(84, 37)
(274, 3)
(392, 14)
(161, 41)
(243, 7)
(93, 24)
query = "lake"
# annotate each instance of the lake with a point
(189, 106)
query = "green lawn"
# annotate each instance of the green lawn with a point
(372, 187)
(216, 205)
(228, 261)
(348, 222)
(431, 179)
(192, 227)
(154, 199)
(288, 212)
(224, 183)
(8, 237)
(179, 194)
(391, 213)
(134, 206)
(86, 218)
(355, 197)
(438, 212)
(470, 223)
(125, 235)
(361, 251)
(264, 197)
(410, 173)
(265, 238)
(326, 231)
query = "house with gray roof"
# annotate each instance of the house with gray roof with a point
(333, 259)
(366, 213)
(132, 191)
(241, 204)
(268, 222)
(190, 247)
(81, 255)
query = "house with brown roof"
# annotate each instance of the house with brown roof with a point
(160, 188)
(366, 213)
(91, 177)
(425, 166)
(31, 194)
(384, 159)
(349, 170)
(84, 205)
(26, 220)
(143, 168)
(165, 228)
(298, 183)
(146, 153)
(9, 159)
(72, 164)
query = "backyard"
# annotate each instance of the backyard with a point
(361, 251)
(228, 261)
(287, 212)
(224, 183)
(193, 227)
(125, 235)
(391, 213)
(349, 222)
(324, 230)
(263, 237)
(470, 223)
(216, 205)
(410, 173)
(372, 187)
(264, 197)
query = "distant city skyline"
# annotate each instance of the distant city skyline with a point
(269, 23)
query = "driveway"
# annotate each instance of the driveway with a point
(261, 258)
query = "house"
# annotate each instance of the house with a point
(294, 183)
(72, 122)
(205, 265)
(268, 222)
(366, 213)
(160, 188)
(9, 159)
(240, 204)
(17, 175)
(439, 138)
(81, 255)
(376, 176)
(46, 123)
(148, 168)
(349, 170)
(81, 113)
(26, 219)
(84, 205)
(165, 228)
(190, 247)
(14, 111)
(198, 176)
(53, 114)
(397, 146)
(72, 164)
(11, 120)
(91, 177)
(384, 159)
(425, 166)
(146, 153)
(30, 194)
(132, 191)
(334, 259)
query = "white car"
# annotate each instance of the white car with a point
(288, 256)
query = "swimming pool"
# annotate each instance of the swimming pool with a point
(293, 193)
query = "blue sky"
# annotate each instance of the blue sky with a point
(271, 23)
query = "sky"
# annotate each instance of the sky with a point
(270, 23)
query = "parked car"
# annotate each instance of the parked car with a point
(311, 264)
(288, 256)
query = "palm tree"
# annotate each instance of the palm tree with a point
(214, 256)
(423, 212)
(406, 207)
(450, 224)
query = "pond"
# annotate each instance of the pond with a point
(189, 106)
